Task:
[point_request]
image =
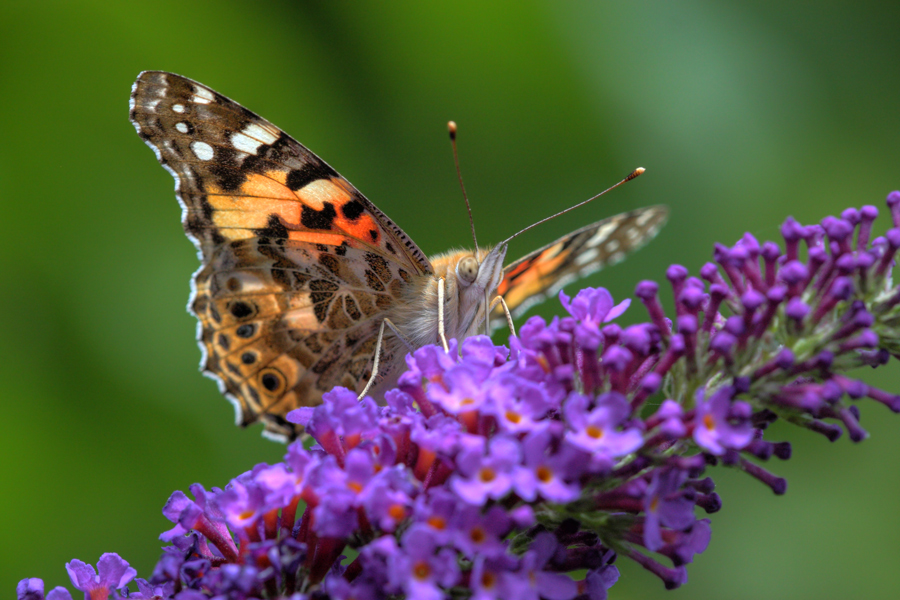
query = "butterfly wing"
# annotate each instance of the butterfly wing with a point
(542, 273)
(297, 264)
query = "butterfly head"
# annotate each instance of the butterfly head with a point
(478, 276)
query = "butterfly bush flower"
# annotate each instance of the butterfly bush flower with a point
(497, 472)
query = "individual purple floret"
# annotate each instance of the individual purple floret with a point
(716, 424)
(593, 305)
(496, 472)
(667, 504)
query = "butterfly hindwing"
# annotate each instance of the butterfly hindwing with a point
(298, 266)
(281, 325)
(542, 273)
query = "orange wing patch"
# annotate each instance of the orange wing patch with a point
(528, 278)
(338, 209)
(270, 184)
(322, 212)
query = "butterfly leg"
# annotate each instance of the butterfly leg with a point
(509, 320)
(441, 315)
(377, 358)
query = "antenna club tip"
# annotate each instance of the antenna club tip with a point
(635, 173)
(451, 127)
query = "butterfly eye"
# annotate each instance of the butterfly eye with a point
(467, 270)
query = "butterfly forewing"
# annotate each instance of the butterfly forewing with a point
(239, 176)
(542, 273)
(298, 266)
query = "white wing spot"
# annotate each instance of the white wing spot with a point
(245, 143)
(602, 233)
(587, 256)
(179, 108)
(641, 220)
(202, 150)
(612, 245)
(252, 137)
(632, 234)
(182, 127)
(616, 257)
(258, 132)
(202, 95)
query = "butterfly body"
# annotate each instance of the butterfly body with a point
(299, 270)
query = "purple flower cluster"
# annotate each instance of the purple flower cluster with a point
(497, 471)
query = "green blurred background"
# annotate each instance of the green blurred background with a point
(742, 113)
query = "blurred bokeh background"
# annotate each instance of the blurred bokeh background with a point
(742, 113)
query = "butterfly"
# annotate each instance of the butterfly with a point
(301, 273)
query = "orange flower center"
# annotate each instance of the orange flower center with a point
(99, 593)
(487, 474)
(477, 535)
(488, 580)
(397, 512)
(544, 474)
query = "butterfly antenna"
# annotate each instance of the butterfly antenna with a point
(631, 176)
(451, 127)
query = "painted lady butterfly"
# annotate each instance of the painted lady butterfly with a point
(301, 272)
